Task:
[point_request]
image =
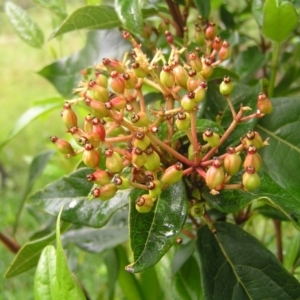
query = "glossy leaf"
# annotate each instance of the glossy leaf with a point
(271, 212)
(270, 192)
(71, 192)
(25, 27)
(89, 17)
(45, 287)
(31, 114)
(65, 281)
(28, 256)
(203, 7)
(279, 19)
(153, 234)
(56, 6)
(130, 14)
(201, 126)
(234, 265)
(282, 157)
(64, 74)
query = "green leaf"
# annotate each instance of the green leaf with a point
(89, 17)
(56, 6)
(45, 276)
(271, 212)
(112, 266)
(257, 11)
(26, 28)
(130, 14)
(279, 20)
(65, 282)
(229, 201)
(28, 256)
(203, 7)
(149, 282)
(153, 234)
(64, 74)
(71, 192)
(220, 72)
(31, 114)
(282, 157)
(201, 126)
(234, 265)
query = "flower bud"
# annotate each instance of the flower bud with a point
(180, 74)
(252, 158)
(252, 138)
(195, 61)
(173, 174)
(199, 35)
(99, 177)
(211, 138)
(62, 146)
(68, 116)
(188, 101)
(264, 104)
(144, 203)
(105, 192)
(166, 76)
(154, 188)
(90, 156)
(141, 140)
(225, 51)
(114, 161)
(251, 180)
(211, 31)
(183, 120)
(232, 161)
(215, 174)
(99, 93)
(121, 182)
(153, 159)
(226, 86)
(140, 119)
(200, 92)
(117, 82)
(139, 158)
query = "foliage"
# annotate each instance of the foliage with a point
(196, 239)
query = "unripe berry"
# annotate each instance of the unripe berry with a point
(154, 188)
(226, 86)
(138, 70)
(166, 76)
(105, 192)
(117, 82)
(195, 61)
(144, 203)
(200, 92)
(121, 182)
(252, 159)
(90, 156)
(116, 103)
(211, 138)
(77, 134)
(188, 101)
(90, 137)
(130, 79)
(173, 174)
(264, 104)
(194, 80)
(153, 159)
(62, 146)
(169, 37)
(98, 109)
(232, 161)
(197, 210)
(99, 177)
(252, 138)
(225, 51)
(88, 126)
(180, 74)
(140, 119)
(68, 116)
(211, 31)
(99, 93)
(207, 68)
(99, 129)
(183, 120)
(199, 35)
(215, 174)
(111, 65)
(251, 180)
(217, 44)
(101, 79)
(139, 158)
(141, 141)
(114, 161)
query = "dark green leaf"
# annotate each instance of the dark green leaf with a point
(130, 14)
(227, 17)
(220, 72)
(282, 157)
(71, 192)
(153, 234)
(270, 192)
(203, 7)
(45, 276)
(56, 6)
(65, 281)
(64, 74)
(271, 212)
(26, 28)
(201, 126)
(234, 265)
(291, 252)
(28, 256)
(279, 20)
(89, 17)
(31, 114)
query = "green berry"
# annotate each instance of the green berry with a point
(121, 182)
(183, 120)
(232, 161)
(212, 138)
(215, 174)
(144, 203)
(252, 158)
(226, 86)
(251, 180)
(153, 159)
(114, 161)
(90, 156)
(173, 174)
(188, 101)
(166, 76)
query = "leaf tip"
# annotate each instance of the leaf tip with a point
(129, 269)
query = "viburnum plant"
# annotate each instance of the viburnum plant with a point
(171, 135)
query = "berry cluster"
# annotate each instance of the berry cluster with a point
(123, 133)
